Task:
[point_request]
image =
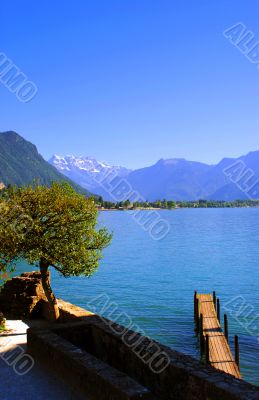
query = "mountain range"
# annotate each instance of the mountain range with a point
(21, 164)
(176, 179)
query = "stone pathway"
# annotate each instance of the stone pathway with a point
(20, 377)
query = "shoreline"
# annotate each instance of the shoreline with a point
(130, 209)
(172, 209)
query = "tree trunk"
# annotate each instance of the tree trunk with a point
(45, 279)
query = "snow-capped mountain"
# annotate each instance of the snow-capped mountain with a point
(87, 171)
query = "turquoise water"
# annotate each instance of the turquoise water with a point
(153, 281)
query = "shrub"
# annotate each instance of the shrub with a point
(2, 322)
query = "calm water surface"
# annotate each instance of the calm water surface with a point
(153, 281)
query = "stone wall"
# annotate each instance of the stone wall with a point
(21, 296)
(184, 378)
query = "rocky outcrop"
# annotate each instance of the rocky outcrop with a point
(21, 297)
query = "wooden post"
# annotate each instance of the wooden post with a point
(226, 326)
(218, 310)
(195, 306)
(207, 350)
(197, 313)
(201, 334)
(214, 300)
(237, 359)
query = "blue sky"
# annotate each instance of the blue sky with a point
(132, 81)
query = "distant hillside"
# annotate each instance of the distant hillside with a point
(180, 179)
(21, 164)
(176, 179)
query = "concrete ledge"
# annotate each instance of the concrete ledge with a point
(84, 372)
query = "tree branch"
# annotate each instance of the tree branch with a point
(58, 269)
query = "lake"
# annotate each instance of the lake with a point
(154, 281)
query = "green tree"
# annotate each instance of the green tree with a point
(50, 227)
(126, 204)
(171, 204)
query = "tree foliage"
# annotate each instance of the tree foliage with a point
(52, 226)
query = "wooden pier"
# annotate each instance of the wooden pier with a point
(213, 341)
